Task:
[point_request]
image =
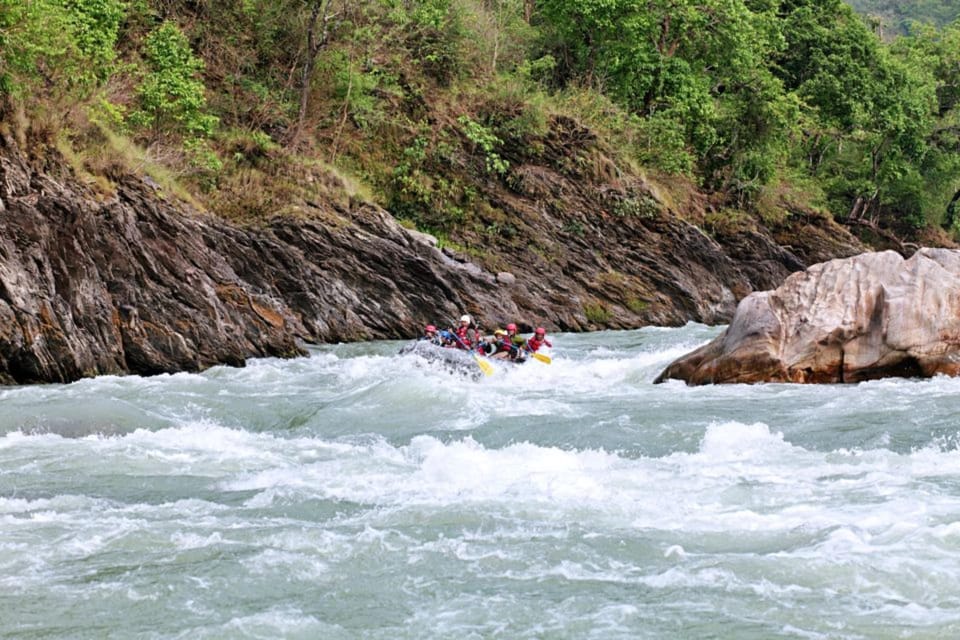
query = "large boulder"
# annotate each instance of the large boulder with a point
(871, 316)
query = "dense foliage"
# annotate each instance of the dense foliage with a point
(421, 100)
(57, 48)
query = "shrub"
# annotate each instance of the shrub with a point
(172, 94)
(487, 142)
(597, 313)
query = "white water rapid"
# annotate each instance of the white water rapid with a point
(357, 493)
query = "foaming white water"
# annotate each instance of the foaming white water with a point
(743, 478)
(360, 493)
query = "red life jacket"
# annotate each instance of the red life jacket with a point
(462, 334)
(533, 344)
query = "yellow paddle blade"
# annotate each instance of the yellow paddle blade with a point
(485, 366)
(542, 357)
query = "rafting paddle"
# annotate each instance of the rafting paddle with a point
(542, 357)
(485, 366)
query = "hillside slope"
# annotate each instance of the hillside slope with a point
(140, 283)
(898, 14)
(206, 182)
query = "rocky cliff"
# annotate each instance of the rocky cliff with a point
(137, 283)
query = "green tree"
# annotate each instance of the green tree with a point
(694, 66)
(172, 93)
(94, 25)
(938, 52)
(867, 112)
(61, 49)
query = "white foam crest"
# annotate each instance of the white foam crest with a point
(262, 372)
(792, 631)
(326, 542)
(299, 566)
(77, 534)
(844, 541)
(594, 376)
(200, 447)
(185, 507)
(86, 530)
(368, 366)
(189, 540)
(613, 615)
(939, 458)
(322, 359)
(285, 622)
(743, 479)
(684, 578)
(367, 467)
(916, 614)
(83, 546)
(134, 595)
(65, 502)
(948, 533)
(431, 472)
(572, 571)
(15, 439)
(196, 445)
(736, 452)
(735, 441)
(465, 548)
(465, 470)
(202, 436)
(468, 420)
(120, 386)
(663, 357)
(939, 385)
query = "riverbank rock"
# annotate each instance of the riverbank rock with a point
(871, 316)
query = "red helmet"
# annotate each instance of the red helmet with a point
(430, 327)
(540, 331)
(511, 327)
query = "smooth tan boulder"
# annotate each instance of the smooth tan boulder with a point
(871, 316)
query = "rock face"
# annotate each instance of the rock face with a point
(871, 316)
(137, 283)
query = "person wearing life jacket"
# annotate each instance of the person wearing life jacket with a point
(466, 333)
(430, 334)
(509, 344)
(512, 336)
(498, 345)
(537, 340)
(447, 339)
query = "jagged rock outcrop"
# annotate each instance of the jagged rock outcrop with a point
(136, 283)
(871, 316)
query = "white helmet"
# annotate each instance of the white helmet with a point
(466, 318)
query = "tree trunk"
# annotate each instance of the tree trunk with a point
(855, 210)
(319, 12)
(951, 211)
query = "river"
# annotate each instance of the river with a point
(357, 493)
